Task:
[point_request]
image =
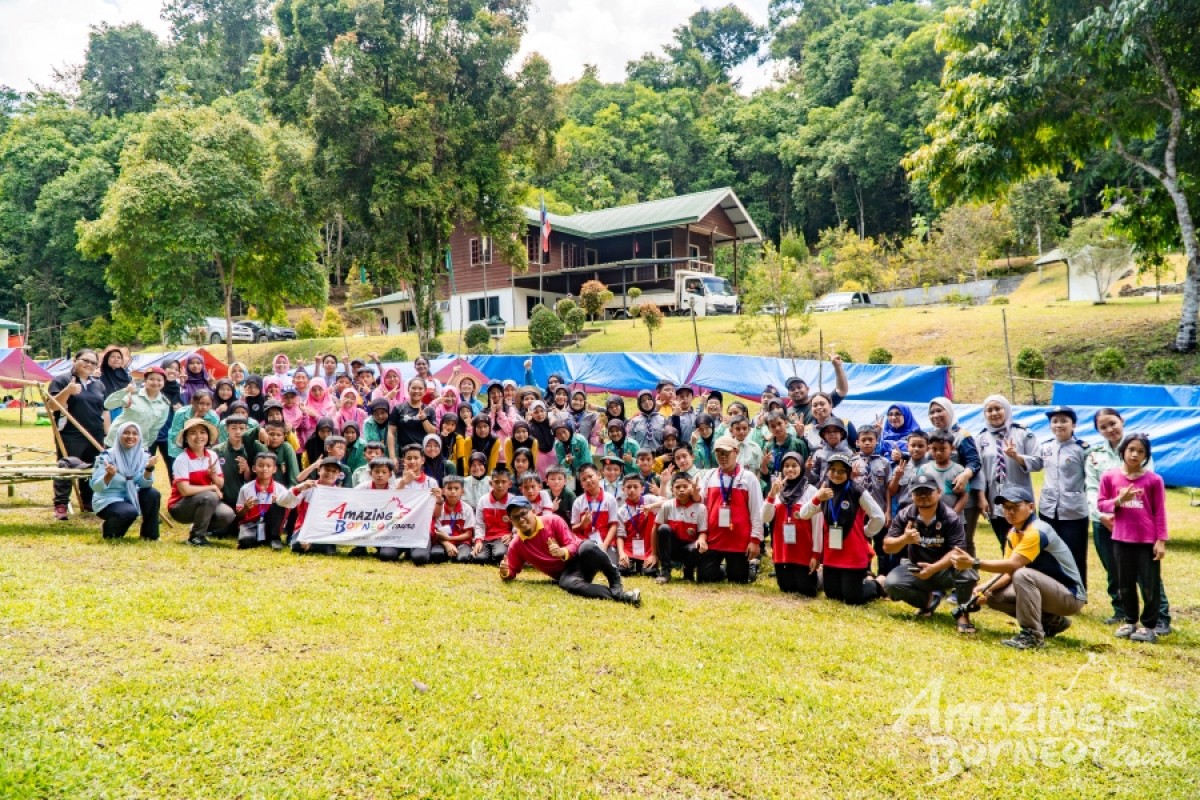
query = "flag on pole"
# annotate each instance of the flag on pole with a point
(450, 269)
(545, 227)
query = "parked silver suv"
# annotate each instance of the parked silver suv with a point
(212, 330)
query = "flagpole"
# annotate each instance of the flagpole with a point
(454, 291)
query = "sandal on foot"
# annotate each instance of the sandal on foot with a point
(965, 627)
(935, 600)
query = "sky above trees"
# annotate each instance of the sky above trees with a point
(569, 33)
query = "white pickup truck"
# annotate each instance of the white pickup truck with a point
(707, 294)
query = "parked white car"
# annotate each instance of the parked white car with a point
(841, 301)
(212, 330)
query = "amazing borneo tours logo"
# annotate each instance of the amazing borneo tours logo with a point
(391, 516)
(1111, 726)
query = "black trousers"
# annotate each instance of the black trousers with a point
(851, 586)
(493, 552)
(673, 551)
(81, 449)
(719, 565)
(1076, 534)
(796, 579)
(1001, 528)
(272, 528)
(1136, 565)
(1102, 538)
(886, 561)
(582, 570)
(119, 517)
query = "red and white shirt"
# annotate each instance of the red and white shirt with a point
(250, 519)
(738, 499)
(636, 530)
(794, 539)
(193, 469)
(604, 513)
(491, 517)
(686, 522)
(455, 521)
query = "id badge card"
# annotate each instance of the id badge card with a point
(261, 532)
(595, 537)
(789, 533)
(639, 548)
(835, 537)
(723, 517)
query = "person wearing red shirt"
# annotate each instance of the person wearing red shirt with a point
(795, 550)
(681, 522)
(635, 531)
(197, 482)
(547, 544)
(733, 498)
(493, 533)
(851, 517)
(594, 514)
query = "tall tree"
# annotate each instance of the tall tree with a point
(216, 44)
(207, 204)
(724, 37)
(122, 70)
(55, 166)
(1036, 206)
(1031, 83)
(418, 123)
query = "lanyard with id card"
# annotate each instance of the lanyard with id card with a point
(724, 515)
(789, 526)
(836, 536)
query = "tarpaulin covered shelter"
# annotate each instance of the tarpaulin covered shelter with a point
(15, 364)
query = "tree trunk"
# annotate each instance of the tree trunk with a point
(226, 278)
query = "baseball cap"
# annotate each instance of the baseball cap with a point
(923, 482)
(1014, 494)
(725, 443)
(517, 502)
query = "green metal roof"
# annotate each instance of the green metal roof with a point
(685, 209)
(387, 299)
(7, 323)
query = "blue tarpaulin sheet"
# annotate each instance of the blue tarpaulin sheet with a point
(1125, 395)
(1174, 432)
(747, 375)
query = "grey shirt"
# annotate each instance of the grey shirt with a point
(1064, 491)
(991, 450)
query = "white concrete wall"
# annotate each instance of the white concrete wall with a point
(514, 303)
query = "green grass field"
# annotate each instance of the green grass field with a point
(155, 670)
(1068, 334)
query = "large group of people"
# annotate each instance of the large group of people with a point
(688, 482)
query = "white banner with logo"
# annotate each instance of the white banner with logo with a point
(368, 517)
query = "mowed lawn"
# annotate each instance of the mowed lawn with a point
(156, 670)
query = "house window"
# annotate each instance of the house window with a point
(570, 256)
(694, 252)
(483, 308)
(662, 248)
(591, 257)
(533, 244)
(481, 252)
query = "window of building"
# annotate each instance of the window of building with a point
(481, 251)
(483, 308)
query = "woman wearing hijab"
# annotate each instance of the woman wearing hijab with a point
(795, 542)
(195, 377)
(543, 434)
(224, 393)
(294, 417)
(1008, 454)
(123, 485)
(252, 394)
(114, 376)
(281, 366)
(320, 402)
(584, 418)
(238, 374)
(898, 423)
(350, 408)
(483, 440)
(314, 447)
(436, 465)
(448, 402)
(703, 439)
(942, 417)
(390, 388)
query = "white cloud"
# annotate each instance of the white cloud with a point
(36, 36)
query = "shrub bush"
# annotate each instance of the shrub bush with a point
(434, 348)
(306, 328)
(478, 334)
(1000, 301)
(392, 354)
(564, 307)
(1162, 370)
(331, 324)
(846, 357)
(575, 319)
(1030, 363)
(1108, 362)
(545, 330)
(880, 355)
(943, 361)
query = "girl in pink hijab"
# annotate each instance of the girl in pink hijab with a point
(350, 409)
(294, 416)
(273, 388)
(447, 403)
(320, 403)
(391, 388)
(281, 365)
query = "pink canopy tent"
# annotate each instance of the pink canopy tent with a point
(464, 370)
(15, 364)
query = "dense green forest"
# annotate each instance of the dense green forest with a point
(264, 151)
